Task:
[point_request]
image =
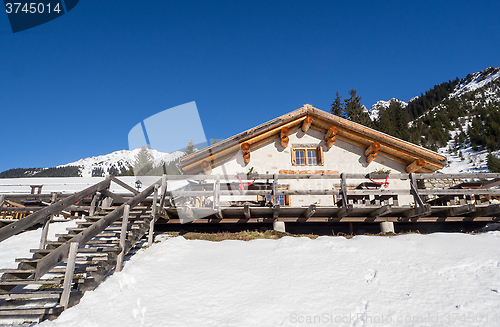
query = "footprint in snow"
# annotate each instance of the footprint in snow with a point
(370, 275)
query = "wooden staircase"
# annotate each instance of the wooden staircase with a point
(60, 272)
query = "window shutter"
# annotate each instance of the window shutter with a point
(320, 155)
(293, 157)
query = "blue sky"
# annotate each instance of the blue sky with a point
(75, 86)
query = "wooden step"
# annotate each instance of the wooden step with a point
(34, 294)
(37, 311)
(55, 281)
(57, 270)
(70, 236)
(111, 228)
(79, 260)
(92, 242)
(101, 249)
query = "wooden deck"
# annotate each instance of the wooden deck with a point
(59, 272)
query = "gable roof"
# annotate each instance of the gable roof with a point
(356, 134)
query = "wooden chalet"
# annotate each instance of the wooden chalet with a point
(311, 141)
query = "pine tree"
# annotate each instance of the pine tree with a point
(355, 110)
(189, 148)
(493, 163)
(338, 107)
(143, 162)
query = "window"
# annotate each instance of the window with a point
(307, 156)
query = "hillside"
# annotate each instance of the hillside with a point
(460, 119)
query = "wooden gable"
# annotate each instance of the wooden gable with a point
(415, 158)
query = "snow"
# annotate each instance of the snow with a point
(119, 159)
(18, 246)
(411, 280)
(375, 109)
(477, 81)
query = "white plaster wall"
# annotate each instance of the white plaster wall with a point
(342, 157)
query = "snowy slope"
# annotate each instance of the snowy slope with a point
(119, 159)
(475, 81)
(411, 280)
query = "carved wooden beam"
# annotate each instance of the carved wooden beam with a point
(306, 124)
(331, 141)
(415, 165)
(372, 149)
(207, 168)
(285, 131)
(371, 152)
(331, 132)
(371, 157)
(245, 148)
(330, 137)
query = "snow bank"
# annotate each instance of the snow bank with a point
(411, 280)
(19, 246)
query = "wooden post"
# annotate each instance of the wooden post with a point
(46, 223)
(415, 165)
(123, 238)
(45, 232)
(68, 276)
(153, 217)
(93, 204)
(163, 192)
(216, 202)
(306, 124)
(276, 199)
(246, 210)
(2, 199)
(343, 189)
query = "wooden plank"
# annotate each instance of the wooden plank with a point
(491, 210)
(460, 176)
(309, 211)
(276, 211)
(382, 211)
(344, 211)
(454, 191)
(246, 211)
(124, 185)
(34, 218)
(153, 216)
(276, 200)
(343, 189)
(45, 232)
(68, 276)
(418, 211)
(115, 197)
(462, 210)
(123, 238)
(59, 254)
(2, 200)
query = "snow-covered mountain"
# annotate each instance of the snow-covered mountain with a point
(375, 109)
(118, 160)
